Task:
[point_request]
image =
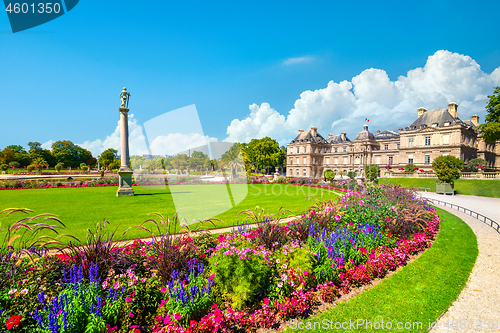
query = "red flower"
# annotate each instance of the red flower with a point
(13, 321)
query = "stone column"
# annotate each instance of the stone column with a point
(125, 173)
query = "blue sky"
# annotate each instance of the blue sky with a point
(245, 65)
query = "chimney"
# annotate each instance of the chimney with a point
(452, 109)
(301, 130)
(475, 120)
(421, 111)
(378, 131)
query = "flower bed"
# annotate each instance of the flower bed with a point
(236, 282)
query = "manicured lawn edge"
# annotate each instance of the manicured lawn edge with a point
(421, 292)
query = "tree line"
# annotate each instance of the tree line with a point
(259, 155)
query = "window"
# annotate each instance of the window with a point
(386, 147)
(427, 159)
(427, 140)
(390, 160)
(344, 149)
(446, 139)
(410, 142)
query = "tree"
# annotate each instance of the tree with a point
(232, 159)
(108, 157)
(20, 154)
(72, 155)
(447, 168)
(36, 151)
(264, 153)
(7, 156)
(473, 164)
(490, 130)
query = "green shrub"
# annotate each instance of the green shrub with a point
(242, 280)
(372, 171)
(472, 165)
(411, 168)
(447, 168)
(329, 175)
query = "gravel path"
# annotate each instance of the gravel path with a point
(477, 308)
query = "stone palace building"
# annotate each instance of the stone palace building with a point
(432, 134)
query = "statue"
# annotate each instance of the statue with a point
(124, 96)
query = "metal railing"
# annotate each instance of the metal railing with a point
(472, 213)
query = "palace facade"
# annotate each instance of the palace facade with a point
(432, 134)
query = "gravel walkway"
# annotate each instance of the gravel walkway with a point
(477, 308)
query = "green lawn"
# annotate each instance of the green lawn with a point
(82, 208)
(480, 187)
(419, 293)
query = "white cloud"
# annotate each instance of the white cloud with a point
(342, 107)
(47, 145)
(137, 140)
(297, 60)
(175, 143)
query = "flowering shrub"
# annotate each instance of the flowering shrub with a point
(240, 281)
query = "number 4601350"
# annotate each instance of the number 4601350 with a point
(41, 8)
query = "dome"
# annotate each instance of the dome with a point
(365, 134)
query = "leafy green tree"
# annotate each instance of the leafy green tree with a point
(447, 168)
(108, 157)
(490, 130)
(20, 154)
(232, 159)
(473, 164)
(264, 153)
(72, 155)
(36, 151)
(7, 156)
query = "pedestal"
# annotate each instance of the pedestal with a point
(125, 184)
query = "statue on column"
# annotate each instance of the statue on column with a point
(124, 96)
